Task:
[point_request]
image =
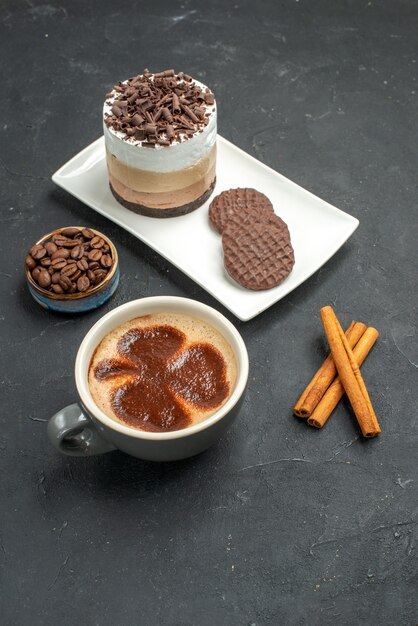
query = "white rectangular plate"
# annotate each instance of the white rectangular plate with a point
(317, 228)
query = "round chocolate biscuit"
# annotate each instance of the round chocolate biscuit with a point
(258, 255)
(240, 202)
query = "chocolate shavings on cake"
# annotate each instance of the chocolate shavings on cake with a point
(159, 109)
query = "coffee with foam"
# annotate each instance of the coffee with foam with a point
(162, 372)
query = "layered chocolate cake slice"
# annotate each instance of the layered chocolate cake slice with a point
(160, 136)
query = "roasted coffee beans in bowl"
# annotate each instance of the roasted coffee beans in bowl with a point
(72, 269)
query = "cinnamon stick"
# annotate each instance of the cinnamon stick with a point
(335, 392)
(349, 373)
(324, 376)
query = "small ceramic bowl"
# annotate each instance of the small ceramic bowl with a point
(77, 302)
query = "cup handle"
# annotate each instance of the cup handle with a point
(73, 433)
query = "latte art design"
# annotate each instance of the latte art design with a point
(157, 378)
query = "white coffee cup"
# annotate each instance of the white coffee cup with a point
(83, 429)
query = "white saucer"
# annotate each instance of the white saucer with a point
(317, 228)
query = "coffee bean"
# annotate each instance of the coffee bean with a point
(106, 261)
(94, 255)
(69, 269)
(97, 242)
(87, 233)
(64, 242)
(55, 278)
(56, 288)
(73, 288)
(83, 265)
(60, 253)
(44, 279)
(83, 283)
(50, 247)
(45, 262)
(58, 263)
(105, 248)
(77, 252)
(94, 265)
(71, 231)
(37, 252)
(59, 240)
(91, 276)
(35, 273)
(65, 282)
(76, 275)
(71, 243)
(30, 262)
(100, 275)
(51, 270)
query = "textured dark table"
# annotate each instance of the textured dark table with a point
(278, 524)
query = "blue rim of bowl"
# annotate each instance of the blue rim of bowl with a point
(78, 295)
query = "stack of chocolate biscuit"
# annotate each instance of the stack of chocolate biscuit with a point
(258, 253)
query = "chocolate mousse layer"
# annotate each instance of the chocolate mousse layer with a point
(145, 181)
(143, 209)
(163, 194)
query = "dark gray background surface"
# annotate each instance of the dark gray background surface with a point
(280, 523)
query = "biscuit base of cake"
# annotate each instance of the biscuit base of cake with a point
(175, 211)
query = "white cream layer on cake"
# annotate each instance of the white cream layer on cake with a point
(162, 178)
